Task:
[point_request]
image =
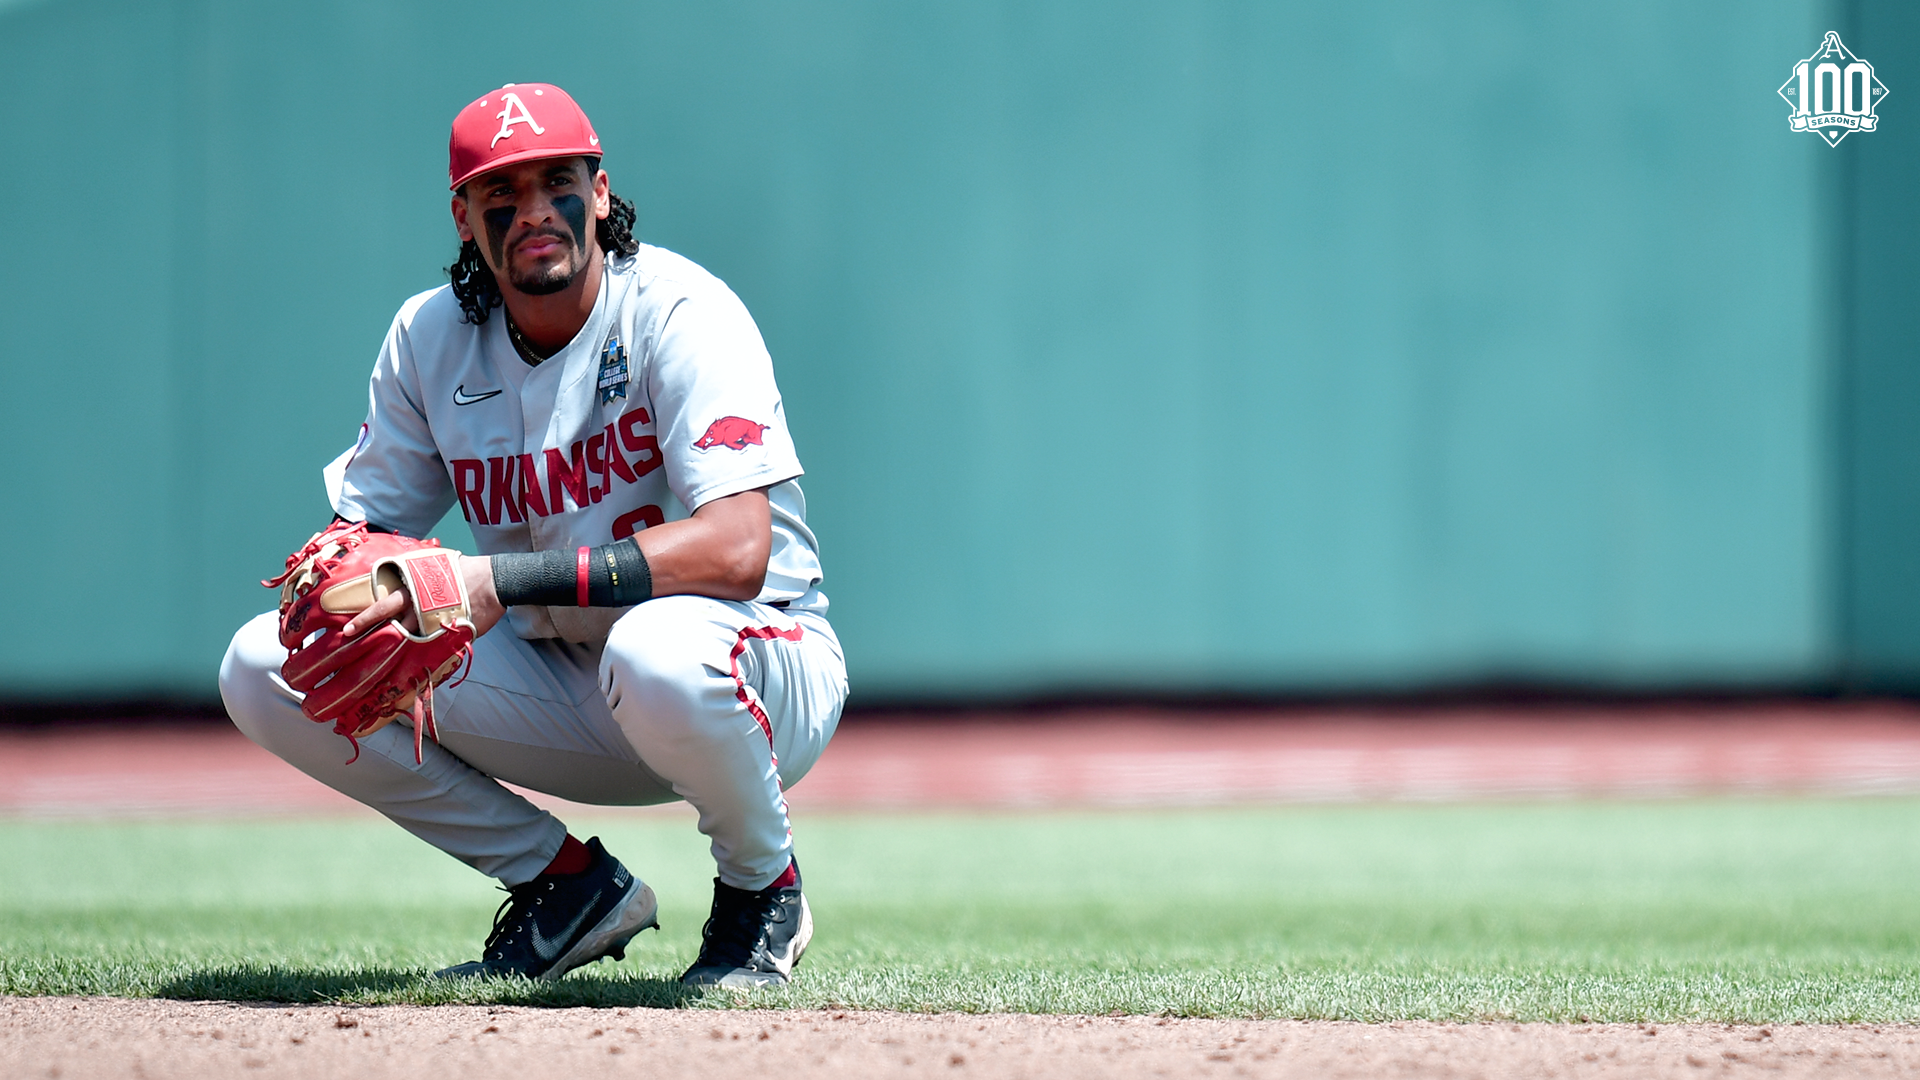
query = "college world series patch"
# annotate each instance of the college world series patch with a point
(613, 371)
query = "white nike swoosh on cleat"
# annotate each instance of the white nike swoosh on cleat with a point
(461, 397)
(545, 948)
(636, 912)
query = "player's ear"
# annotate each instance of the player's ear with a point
(602, 195)
(460, 217)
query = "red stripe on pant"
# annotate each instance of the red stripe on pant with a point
(759, 714)
(740, 686)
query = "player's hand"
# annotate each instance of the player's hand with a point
(482, 601)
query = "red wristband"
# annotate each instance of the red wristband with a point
(580, 568)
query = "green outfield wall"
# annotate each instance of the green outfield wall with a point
(1230, 346)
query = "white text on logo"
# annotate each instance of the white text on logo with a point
(1833, 92)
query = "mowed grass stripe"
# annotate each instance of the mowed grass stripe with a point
(1720, 910)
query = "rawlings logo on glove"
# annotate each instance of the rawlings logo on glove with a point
(363, 683)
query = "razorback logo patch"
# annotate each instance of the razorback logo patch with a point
(731, 432)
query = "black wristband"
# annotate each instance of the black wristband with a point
(534, 577)
(617, 575)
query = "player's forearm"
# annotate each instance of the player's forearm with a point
(721, 551)
(703, 558)
(611, 575)
(620, 574)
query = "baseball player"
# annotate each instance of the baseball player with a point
(645, 617)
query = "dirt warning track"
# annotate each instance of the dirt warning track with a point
(1113, 757)
(84, 1039)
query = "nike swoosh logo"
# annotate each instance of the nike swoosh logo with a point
(550, 949)
(461, 397)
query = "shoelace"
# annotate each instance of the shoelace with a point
(741, 919)
(518, 896)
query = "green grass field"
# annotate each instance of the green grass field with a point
(1729, 910)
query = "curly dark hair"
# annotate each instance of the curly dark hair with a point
(473, 281)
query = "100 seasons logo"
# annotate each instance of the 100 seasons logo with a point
(1833, 92)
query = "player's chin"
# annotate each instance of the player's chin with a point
(544, 280)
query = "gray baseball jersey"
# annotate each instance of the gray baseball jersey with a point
(664, 401)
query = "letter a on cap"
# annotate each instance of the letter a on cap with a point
(514, 112)
(482, 134)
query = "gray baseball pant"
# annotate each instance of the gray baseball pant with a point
(721, 703)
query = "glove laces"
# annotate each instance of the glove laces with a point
(347, 536)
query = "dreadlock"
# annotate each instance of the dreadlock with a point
(473, 281)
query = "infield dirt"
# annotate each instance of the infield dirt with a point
(82, 1039)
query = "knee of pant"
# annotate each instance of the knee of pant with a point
(656, 663)
(254, 701)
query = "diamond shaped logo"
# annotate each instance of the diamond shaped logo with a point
(1833, 93)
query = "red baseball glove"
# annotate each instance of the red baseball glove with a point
(362, 684)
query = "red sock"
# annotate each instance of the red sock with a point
(573, 858)
(792, 875)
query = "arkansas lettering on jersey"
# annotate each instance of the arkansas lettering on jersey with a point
(509, 488)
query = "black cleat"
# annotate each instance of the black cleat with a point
(752, 939)
(557, 922)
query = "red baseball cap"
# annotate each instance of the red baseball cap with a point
(518, 122)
